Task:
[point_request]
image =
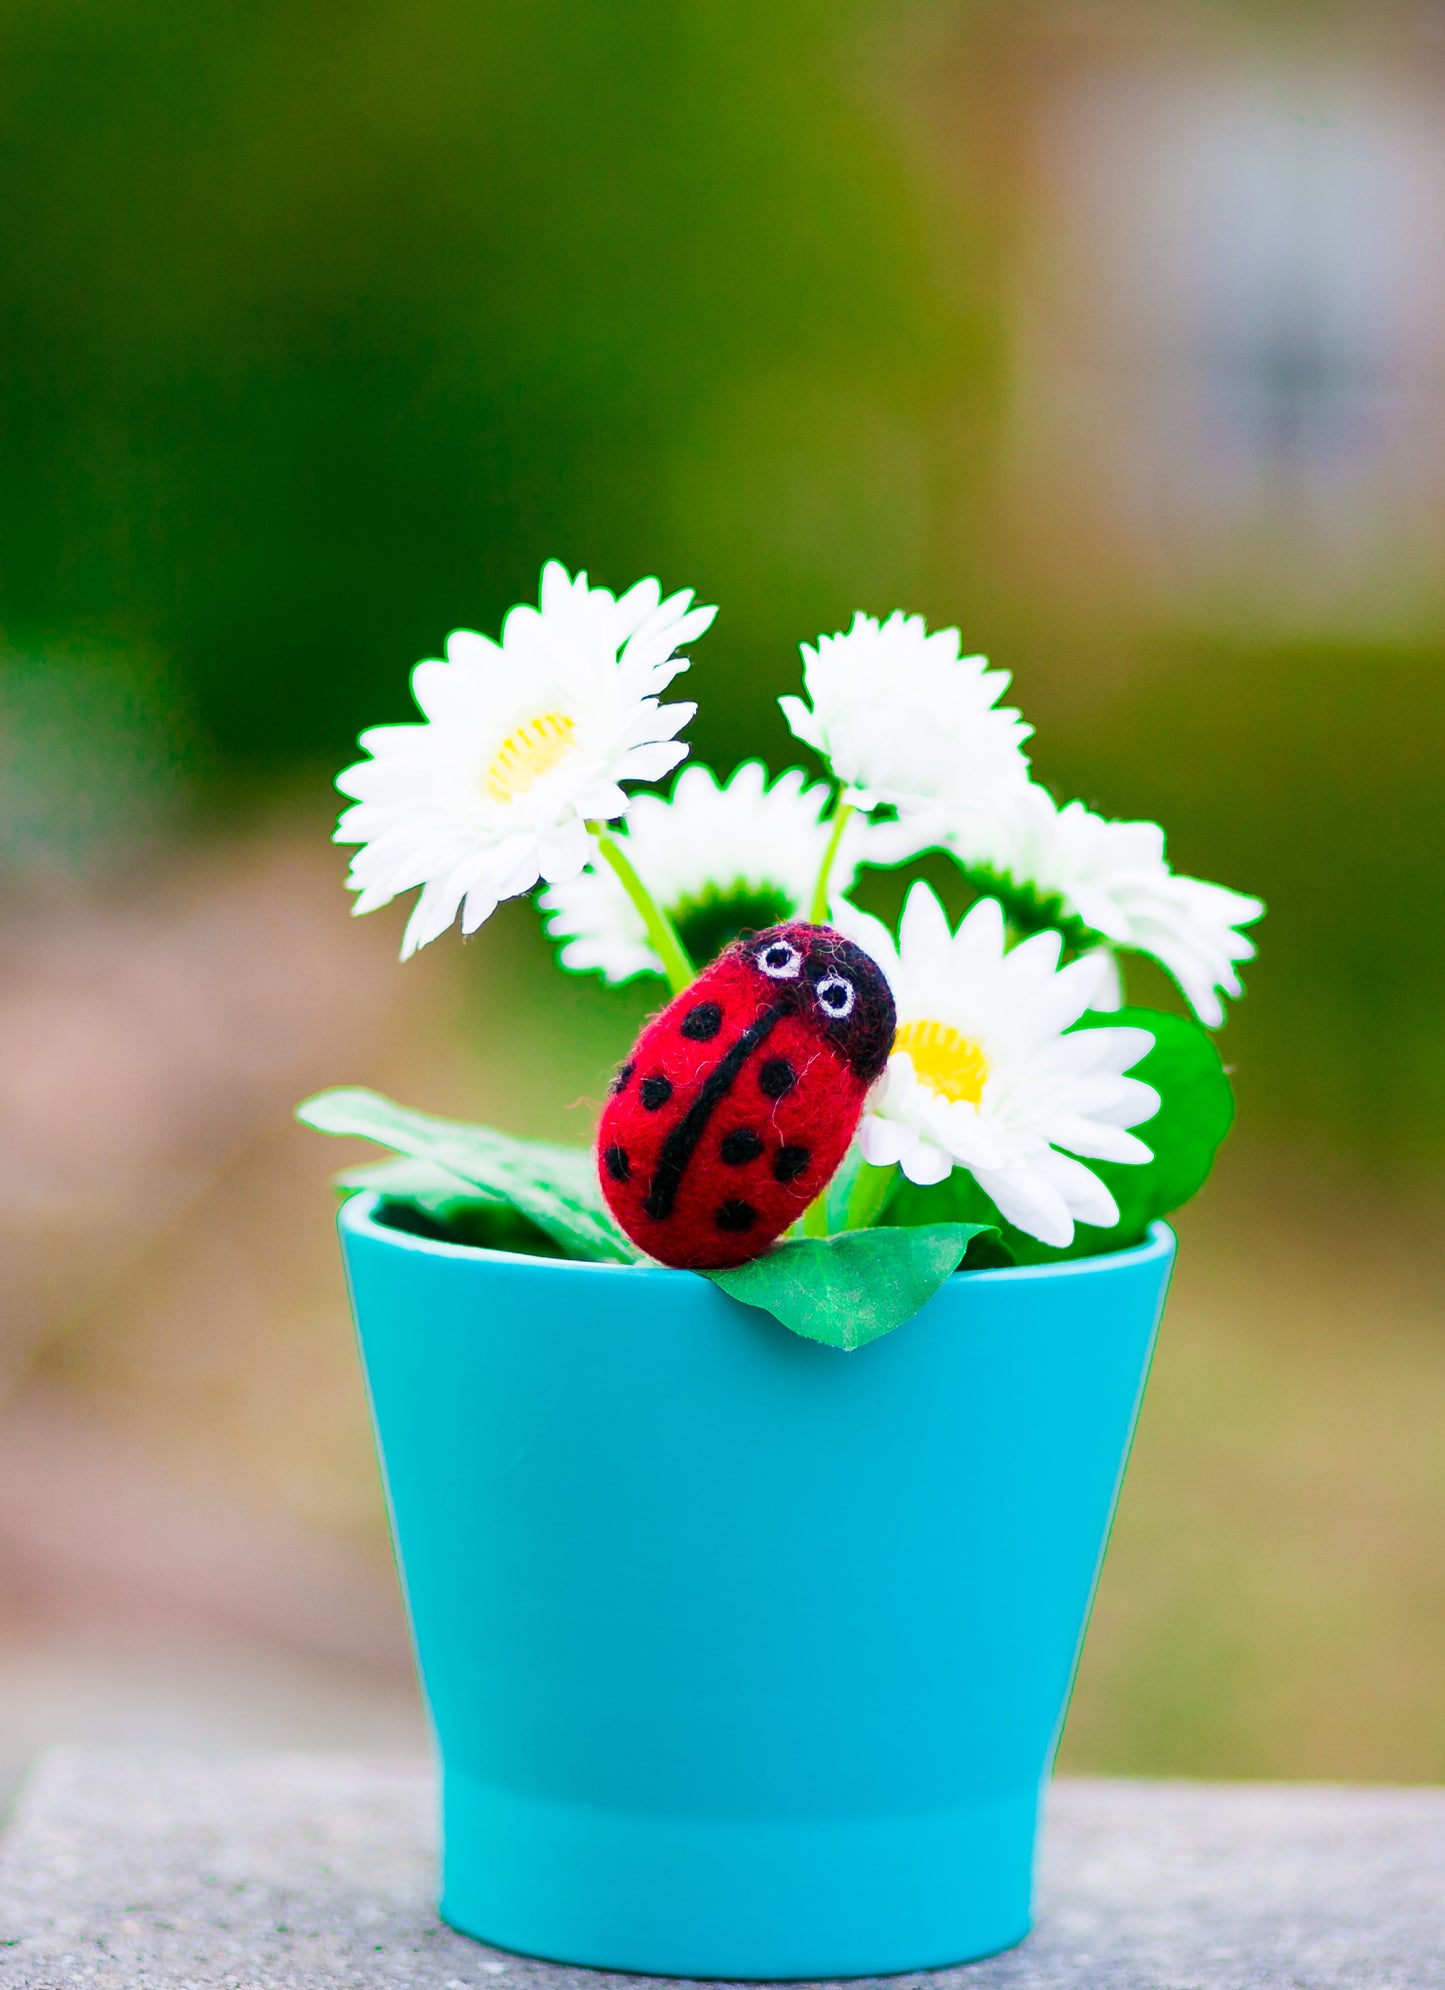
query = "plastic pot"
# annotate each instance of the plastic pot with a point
(745, 1657)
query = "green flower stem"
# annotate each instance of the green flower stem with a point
(869, 1196)
(660, 929)
(818, 910)
(815, 1217)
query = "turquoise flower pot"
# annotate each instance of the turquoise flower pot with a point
(745, 1657)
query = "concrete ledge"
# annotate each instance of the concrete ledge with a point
(137, 1870)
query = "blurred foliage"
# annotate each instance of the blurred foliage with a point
(324, 325)
(1309, 776)
(93, 756)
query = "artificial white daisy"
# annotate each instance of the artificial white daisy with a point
(983, 1075)
(901, 717)
(523, 742)
(717, 857)
(1112, 877)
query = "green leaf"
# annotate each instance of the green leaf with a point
(848, 1290)
(1195, 1110)
(839, 1191)
(553, 1187)
(425, 1201)
(422, 1184)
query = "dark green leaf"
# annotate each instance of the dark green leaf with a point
(847, 1290)
(553, 1187)
(1196, 1107)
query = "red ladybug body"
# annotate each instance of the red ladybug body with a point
(740, 1098)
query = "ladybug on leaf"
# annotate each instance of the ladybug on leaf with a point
(740, 1099)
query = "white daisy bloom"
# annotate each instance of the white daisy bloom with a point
(523, 742)
(716, 857)
(1112, 876)
(983, 1075)
(901, 717)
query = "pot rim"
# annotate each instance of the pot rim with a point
(358, 1216)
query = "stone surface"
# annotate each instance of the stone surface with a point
(131, 1870)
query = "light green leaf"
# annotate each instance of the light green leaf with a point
(848, 1290)
(425, 1201)
(422, 1184)
(552, 1186)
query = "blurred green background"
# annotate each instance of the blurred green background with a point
(1117, 340)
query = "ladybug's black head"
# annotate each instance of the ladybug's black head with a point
(834, 984)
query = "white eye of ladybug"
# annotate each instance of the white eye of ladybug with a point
(837, 996)
(780, 959)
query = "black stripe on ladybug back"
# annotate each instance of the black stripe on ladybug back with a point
(681, 1144)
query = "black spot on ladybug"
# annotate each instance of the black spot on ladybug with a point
(739, 1146)
(735, 1216)
(617, 1164)
(619, 1083)
(790, 1162)
(655, 1092)
(776, 1079)
(702, 1023)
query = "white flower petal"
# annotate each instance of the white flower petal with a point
(603, 802)
(885, 1141)
(901, 717)
(979, 947)
(1030, 1201)
(477, 653)
(1098, 1139)
(477, 907)
(669, 629)
(801, 722)
(1088, 1200)
(563, 851)
(1114, 877)
(556, 591)
(433, 912)
(990, 1072)
(926, 1165)
(1108, 991)
(910, 836)
(924, 926)
(520, 742)
(741, 839)
(651, 762)
(1110, 1047)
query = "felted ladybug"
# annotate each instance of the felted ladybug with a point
(740, 1098)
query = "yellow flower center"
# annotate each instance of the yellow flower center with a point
(946, 1062)
(525, 755)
